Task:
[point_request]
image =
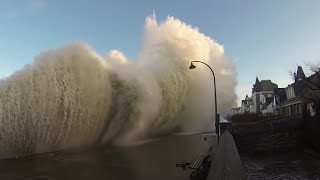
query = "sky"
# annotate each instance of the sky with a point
(265, 39)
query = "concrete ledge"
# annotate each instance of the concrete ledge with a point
(226, 163)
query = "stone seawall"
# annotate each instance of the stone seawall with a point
(276, 135)
(226, 163)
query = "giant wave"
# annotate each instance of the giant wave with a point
(71, 97)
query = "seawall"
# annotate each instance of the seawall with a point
(226, 163)
(268, 136)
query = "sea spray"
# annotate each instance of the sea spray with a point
(167, 50)
(71, 97)
(60, 101)
(136, 101)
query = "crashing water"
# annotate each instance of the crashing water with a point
(60, 101)
(72, 97)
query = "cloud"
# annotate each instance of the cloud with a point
(30, 5)
(37, 4)
(13, 14)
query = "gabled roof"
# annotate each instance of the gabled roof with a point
(268, 85)
(256, 86)
(280, 95)
(257, 80)
(302, 87)
(263, 85)
(268, 102)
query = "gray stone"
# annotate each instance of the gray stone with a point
(226, 163)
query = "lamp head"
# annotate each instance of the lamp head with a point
(192, 66)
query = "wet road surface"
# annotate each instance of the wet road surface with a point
(153, 160)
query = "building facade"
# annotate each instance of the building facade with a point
(299, 98)
(247, 105)
(262, 97)
(296, 96)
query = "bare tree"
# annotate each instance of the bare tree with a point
(309, 86)
(313, 67)
(292, 74)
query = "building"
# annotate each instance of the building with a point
(299, 98)
(293, 99)
(267, 106)
(262, 97)
(247, 105)
(279, 97)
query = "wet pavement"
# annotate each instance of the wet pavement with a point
(153, 160)
(281, 166)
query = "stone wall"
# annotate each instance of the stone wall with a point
(311, 136)
(276, 135)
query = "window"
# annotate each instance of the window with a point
(269, 95)
(290, 92)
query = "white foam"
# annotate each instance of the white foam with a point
(72, 97)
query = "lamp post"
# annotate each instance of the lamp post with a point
(192, 66)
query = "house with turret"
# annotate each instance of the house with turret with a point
(302, 97)
(295, 98)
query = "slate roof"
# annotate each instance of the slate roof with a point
(256, 86)
(268, 101)
(263, 85)
(280, 95)
(301, 87)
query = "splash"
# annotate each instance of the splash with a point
(60, 101)
(72, 97)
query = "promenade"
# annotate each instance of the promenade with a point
(152, 160)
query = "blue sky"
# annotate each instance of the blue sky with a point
(265, 38)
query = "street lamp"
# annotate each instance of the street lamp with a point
(192, 66)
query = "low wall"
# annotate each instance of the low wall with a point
(276, 135)
(226, 163)
(311, 133)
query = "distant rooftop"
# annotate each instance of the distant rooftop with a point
(263, 85)
(299, 75)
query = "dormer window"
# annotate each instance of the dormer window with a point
(290, 92)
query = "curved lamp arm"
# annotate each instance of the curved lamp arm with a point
(192, 66)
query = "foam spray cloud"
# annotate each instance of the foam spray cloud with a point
(72, 97)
